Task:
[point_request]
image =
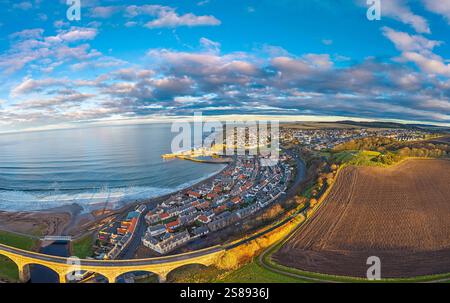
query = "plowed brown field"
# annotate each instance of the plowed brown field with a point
(400, 214)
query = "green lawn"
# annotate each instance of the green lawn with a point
(83, 247)
(359, 158)
(343, 157)
(8, 269)
(253, 273)
(18, 241)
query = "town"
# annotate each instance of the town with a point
(241, 189)
(319, 139)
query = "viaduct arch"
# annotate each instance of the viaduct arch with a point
(110, 269)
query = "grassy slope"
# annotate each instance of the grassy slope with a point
(8, 269)
(83, 247)
(254, 273)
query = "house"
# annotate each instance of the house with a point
(194, 194)
(220, 209)
(211, 196)
(245, 212)
(171, 226)
(164, 216)
(168, 244)
(152, 218)
(132, 226)
(222, 221)
(121, 231)
(217, 189)
(204, 205)
(203, 219)
(200, 231)
(236, 200)
(156, 230)
(188, 219)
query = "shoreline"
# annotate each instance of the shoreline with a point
(70, 220)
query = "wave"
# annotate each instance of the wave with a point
(111, 198)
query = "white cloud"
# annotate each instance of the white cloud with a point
(104, 11)
(131, 23)
(29, 85)
(171, 19)
(210, 45)
(34, 33)
(406, 42)
(431, 65)
(440, 7)
(78, 33)
(437, 104)
(31, 48)
(23, 5)
(419, 50)
(165, 16)
(399, 10)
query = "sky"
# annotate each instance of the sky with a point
(130, 60)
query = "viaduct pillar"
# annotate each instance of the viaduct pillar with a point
(24, 272)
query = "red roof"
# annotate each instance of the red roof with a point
(204, 205)
(220, 209)
(173, 224)
(203, 218)
(121, 231)
(194, 194)
(164, 216)
(132, 226)
(236, 200)
(211, 196)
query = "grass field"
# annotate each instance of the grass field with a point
(83, 247)
(8, 269)
(254, 273)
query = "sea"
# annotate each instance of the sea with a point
(94, 167)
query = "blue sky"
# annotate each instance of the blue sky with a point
(135, 59)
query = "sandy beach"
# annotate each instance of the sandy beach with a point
(35, 223)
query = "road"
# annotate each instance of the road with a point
(130, 251)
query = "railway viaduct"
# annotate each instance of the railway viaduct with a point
(110, 269)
